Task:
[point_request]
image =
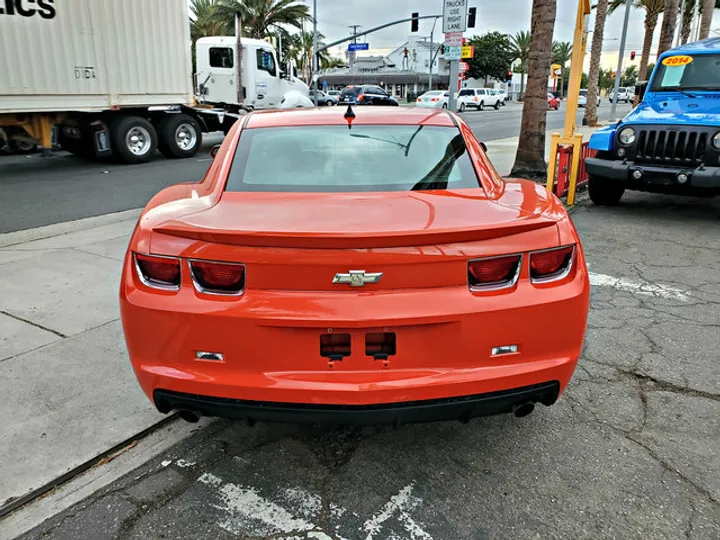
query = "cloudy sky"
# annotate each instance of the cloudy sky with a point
(507, 16)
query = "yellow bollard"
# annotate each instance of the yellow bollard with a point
(554, 140)
(575, 169)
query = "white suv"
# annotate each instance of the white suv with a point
(478, 98)
(503, 95)
(624, 94)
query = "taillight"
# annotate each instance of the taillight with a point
(158, 271)
(419, 100)
(361, 97)
(434, 99)
(494, 272)
(551, 264)
(218, 277)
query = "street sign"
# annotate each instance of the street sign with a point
(453, 53)
(464, 66)
(455, 15)
(358, 47)
(468, 51)
(453, 39)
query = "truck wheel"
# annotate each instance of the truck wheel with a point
(604, 192)
(481, 106)
(462, 107)
(497, 105)
(21, 147)
(180, 136)
(133, 139)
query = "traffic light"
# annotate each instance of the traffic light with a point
(442, 49)
(509, 75)
(632, 55)
(472, 13)
(415, 23)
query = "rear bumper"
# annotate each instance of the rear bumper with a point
(655, 177)
(462, 408)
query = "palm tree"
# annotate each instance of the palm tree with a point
(520, 44)
(301, 51)
(561, 54)
(259, 16)
(530, 157)
(332, 62)
(687, 17)
(590, 117)
(202, 22)
(653, 8)
(667, 31)
(707, 8)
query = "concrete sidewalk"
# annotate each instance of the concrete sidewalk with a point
(68, 390)
(69, 393)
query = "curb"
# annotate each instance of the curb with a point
(58, 229)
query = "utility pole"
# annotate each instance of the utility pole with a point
(432, 56)
(315, 54)
(352, 54)
(618, 73)
(678, 25)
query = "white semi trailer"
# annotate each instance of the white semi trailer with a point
(114, 78)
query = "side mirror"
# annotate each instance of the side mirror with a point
(483, 146)
(283, 75)
(214, 150)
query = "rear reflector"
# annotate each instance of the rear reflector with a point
(217, 277)
(158, 272)
(494, 272)
(380, 345)
(551, 264)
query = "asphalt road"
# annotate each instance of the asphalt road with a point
(630, 451)
(37, 191)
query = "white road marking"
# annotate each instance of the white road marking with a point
(184, 464)
(247, 513)
(639, 287)
(399, 504)
(166, 463)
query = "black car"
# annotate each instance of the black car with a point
(366, 94)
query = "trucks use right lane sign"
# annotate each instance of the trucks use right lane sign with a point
(455, 15)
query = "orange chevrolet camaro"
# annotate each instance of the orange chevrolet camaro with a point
(353, 266)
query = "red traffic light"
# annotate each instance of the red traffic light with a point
(509, 75)
(632, 55)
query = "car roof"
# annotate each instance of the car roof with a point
(335, 116)
(706, 46)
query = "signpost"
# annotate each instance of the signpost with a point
(358, 47)
(454, 24)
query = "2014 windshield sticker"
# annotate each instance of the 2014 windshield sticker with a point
(677, 60)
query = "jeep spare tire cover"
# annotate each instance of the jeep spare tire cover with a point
(294, 99)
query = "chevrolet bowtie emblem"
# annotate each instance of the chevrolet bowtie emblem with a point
(357, 278)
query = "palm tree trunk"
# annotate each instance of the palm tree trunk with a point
(562, 83)
(522, 82)
(668, 25)
(650, 24)
(707, 14)
(530, 157)
(687, 18)
(591, 117)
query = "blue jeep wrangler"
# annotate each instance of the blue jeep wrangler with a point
(670, 142)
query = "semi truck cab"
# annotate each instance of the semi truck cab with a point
(265, 83)
(670, 142)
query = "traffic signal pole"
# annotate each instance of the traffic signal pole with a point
(618, 73)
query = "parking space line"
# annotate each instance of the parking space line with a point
(639, 287)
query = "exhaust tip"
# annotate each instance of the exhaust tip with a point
(189, 416)
(523, 409)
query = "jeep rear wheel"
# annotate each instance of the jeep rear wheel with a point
(604, 192)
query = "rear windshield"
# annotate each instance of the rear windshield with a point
(583, 92)
(354, 91)
(338, 159)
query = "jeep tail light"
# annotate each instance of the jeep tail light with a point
(361, 97)
(551, 264)
(218, 277)
(494, 272)
(158, 272)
